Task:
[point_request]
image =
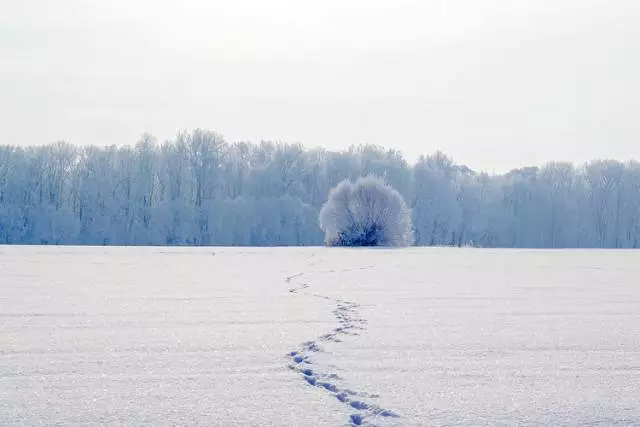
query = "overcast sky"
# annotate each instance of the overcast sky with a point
(495, 84)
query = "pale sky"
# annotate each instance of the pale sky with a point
(496, 84)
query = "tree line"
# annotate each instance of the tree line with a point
(198, 189)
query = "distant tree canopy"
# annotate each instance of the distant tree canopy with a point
(198, 189)
(366, 213)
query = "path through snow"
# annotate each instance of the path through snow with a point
(350, 323)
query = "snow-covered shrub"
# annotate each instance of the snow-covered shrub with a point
(367, 212)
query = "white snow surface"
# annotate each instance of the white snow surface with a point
(318, 336)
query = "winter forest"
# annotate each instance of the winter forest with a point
(200, 190)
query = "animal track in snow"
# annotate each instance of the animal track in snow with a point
(350, 323)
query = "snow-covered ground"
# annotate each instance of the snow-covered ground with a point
(317, 336)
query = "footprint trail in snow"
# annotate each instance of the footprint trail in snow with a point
(350, 323)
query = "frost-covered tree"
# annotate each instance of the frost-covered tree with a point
(367, 212)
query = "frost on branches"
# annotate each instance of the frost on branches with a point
(368, 212)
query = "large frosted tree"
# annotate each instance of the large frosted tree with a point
(367, 212)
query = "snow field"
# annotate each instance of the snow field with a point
(318, 336)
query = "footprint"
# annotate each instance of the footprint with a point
(332, 388)
(359, 405)
(356, 419)
(386, 413)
